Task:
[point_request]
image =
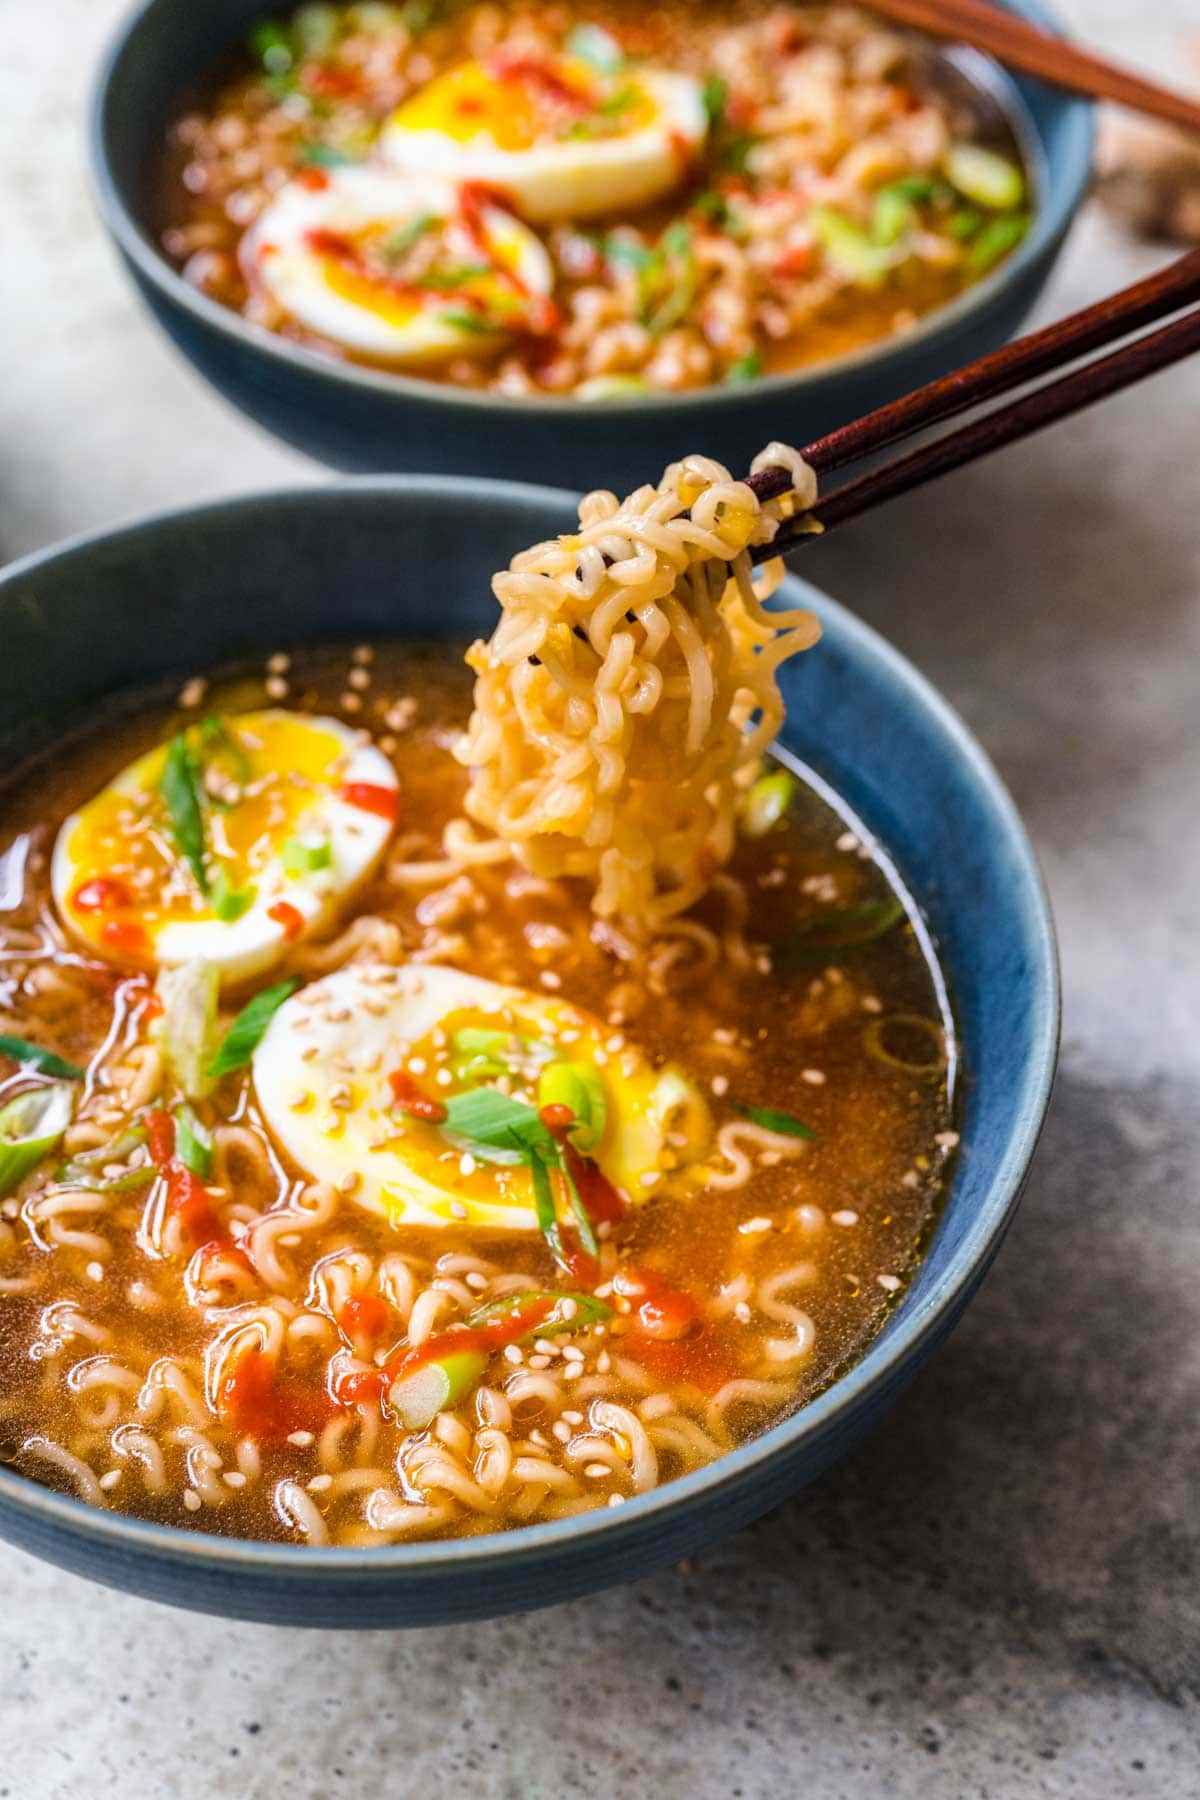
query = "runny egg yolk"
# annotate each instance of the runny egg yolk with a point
(521, 101)
(226, 843)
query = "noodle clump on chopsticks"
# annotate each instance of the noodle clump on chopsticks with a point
(629, 689)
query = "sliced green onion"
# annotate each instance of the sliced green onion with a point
(324, 156)
(416, 1399)
(612, 387)
(596, 47)
(497, 1121)
(714, 94)
(244, 1035)
(619, 102)
(181, 796)
(217, 736)
(850, 250)
(468, 321)
(842, 929)
(997, 238)
(588, 1311)
(578, 1087)
(964, 224)
(543, 1206)
(193, 1143)
(315, 29)
(230, 903)
(714, 206)
(300, 858)
(676, 248)
(22, 1051)
(31, 1126)
(913, 188)
(767, 802)
(891, 216)
(746, 368)
(770, 1120)
(628, 250)
(987, 179)
(583, 1222)
(272, 45)
(189, 1023)
(397, 242)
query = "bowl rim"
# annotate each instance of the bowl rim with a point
(887, 1356)
(1058, 203)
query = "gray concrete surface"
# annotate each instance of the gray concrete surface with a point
(997, 1598)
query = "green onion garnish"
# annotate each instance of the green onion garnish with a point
(300, 858)
(324, 156)
(578, 1087)
(404, 237)
(714, 94)
(272, 45)
(193, 1143)
(416, 1399)
(181, 796)
(468, 321)
(997, 238)
(509, 1132)
(588, 1311)
(216, 736)
(31, 1125)
(839, 930)
(770, 1120)
(188, 1030)
(34, 1057)
(230, 903)
(746, 368)
(246, 1032)
(596, 47)
(767, 802)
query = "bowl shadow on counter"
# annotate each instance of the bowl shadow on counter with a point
(1035, 1484)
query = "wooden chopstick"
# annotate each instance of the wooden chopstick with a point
(1019, 45)
(1104, 322)
(1037, 354)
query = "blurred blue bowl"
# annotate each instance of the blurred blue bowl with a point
(388, 558)
(363, 419)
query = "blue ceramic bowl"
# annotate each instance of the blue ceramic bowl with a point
(384, 558)
(361, 419)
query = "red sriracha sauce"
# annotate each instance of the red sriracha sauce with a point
(287, 915)
(372, 1384)
(103, 893)
(370, 797)
(409, 1098)
(187, 1197)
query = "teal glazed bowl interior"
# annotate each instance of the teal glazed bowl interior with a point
(395, 557)
(360, 419)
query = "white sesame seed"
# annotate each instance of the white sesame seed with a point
(417, 1065)
(844, 1217)
(539, 1362)
(458, 1210)
(871, 1004)
(603, 1363)
(191, 1499)
(95, 1271)
(561, 1432)
(616, 1499)
(549, 979)
(946, 1140)
(888, 1282)
(301, 1439)
(467, 1166)
(359, 679)
(573, 1418)
(110, 1480)
(814, 1077)
(720, 1085)
(847, 841)
(349, 1182)
(234, 1479)
(513, 1353)
(319, 1483)
(910, 1179)
(749, 1226)
(276, 687)
(362, 653)
(192, 692)
(350, 702)
(741, 1313)
(597, 1471)
(475, 1280)
(279, 664)
(443, 1078)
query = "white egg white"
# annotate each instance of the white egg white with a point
(250, 945)
(567, 178)
(321, 1080)
(278, 258)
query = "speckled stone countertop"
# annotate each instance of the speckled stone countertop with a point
(997, 1598)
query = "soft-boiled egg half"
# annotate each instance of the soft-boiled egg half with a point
(348, 1065)
(238, 837)
(563, 139)
(399, 269)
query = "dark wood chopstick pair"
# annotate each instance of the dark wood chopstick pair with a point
(1171, 290)
(1020, 45)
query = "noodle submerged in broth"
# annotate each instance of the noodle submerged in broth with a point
(528, 1184)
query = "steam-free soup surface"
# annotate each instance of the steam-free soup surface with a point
(252, 1349)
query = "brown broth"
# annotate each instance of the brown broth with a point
(789, 1031)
